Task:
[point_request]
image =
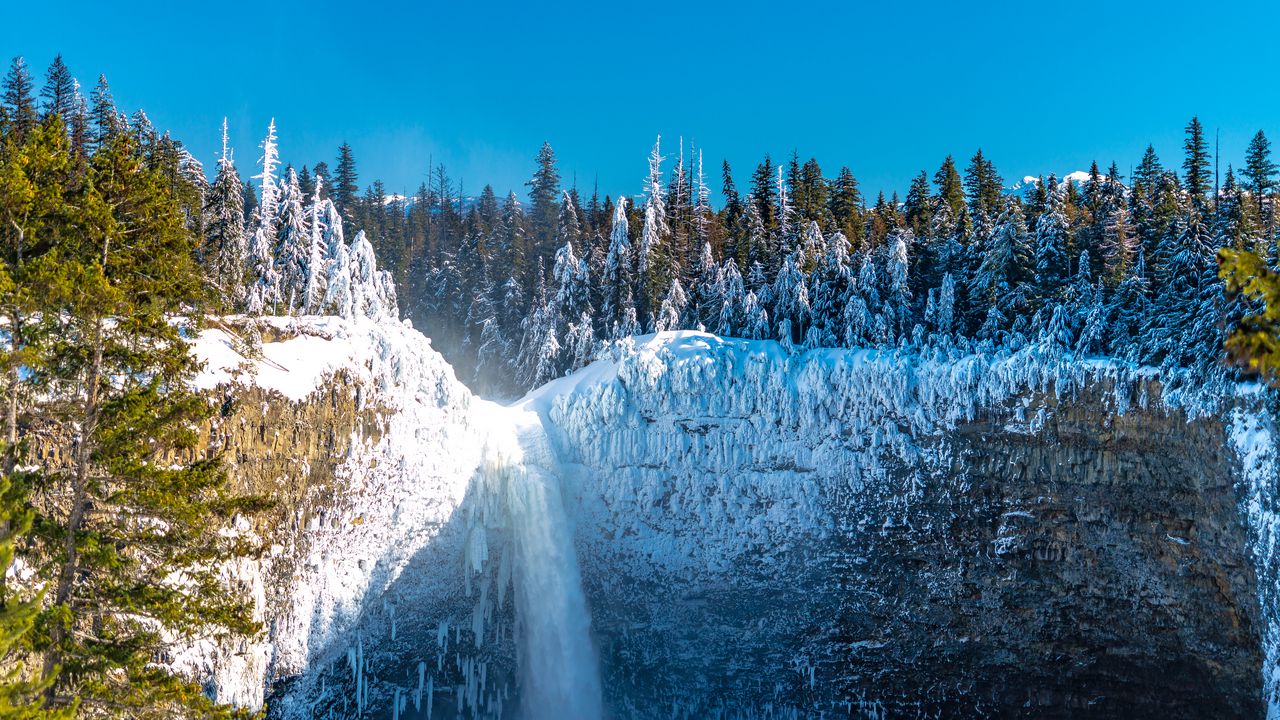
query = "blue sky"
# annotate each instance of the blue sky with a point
(885, 90)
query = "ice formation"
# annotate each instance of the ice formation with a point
(446, 574)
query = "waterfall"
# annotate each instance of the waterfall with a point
(559, 674)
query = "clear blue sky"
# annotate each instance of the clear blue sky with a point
(887, 89)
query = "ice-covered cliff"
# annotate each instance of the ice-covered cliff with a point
(701, 527)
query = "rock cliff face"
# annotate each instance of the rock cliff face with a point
(768, 535)
(844, 546)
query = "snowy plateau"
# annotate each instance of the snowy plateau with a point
(695, 526)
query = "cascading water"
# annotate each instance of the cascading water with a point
(559, 674)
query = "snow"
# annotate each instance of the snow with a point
(377, 351)
(1252, 435)
(460, 500)
(447, 471)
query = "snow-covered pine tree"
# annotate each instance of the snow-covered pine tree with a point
(862, 322)
(571, 299)
(269, 195)
(224, 252)
(617, 280)
(293, 246)
(372, 290)
(940, 310)
(263, 297)
(708, 289)
(755, 319)
(897, 310)
(671, 312)
(320, 212)
(784, 239)
(829, 288)
(729, 320)
(790, 302)
(1129, 308)
(812, 245)
(702, 211)
(652, 277)
(339, 295)
(1093, 322)
(1119, 241)
(569, 225)
(1051, 264)
(580, 343)
(756, 250)
(1004, 262)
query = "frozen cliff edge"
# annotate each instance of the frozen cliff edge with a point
(381, 569)
(768, 533)
(860, 532)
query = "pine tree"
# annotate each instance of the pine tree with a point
(16, 95)
(617, 280)
(1005, 259)
(345, 182)
(1129, 310)
(940, 309)
(1195, 166)
(35, 185)
(830, 285)
(755, 319)
(325, 228)
(60, 91)
(292, 247)
(1119, 242)
(671, 312)
(707, 289)
(373, 293)
(20, 694)
(544, 191)
(128, 516)
(755, 244)
(846, 207)
(1253, 343)
(790, 297)
(982, 186)
(1260, 175)
(250, 201)
(1051, 264)
(306, 182)
(762, 193)
(569, 225)
(652, 274)
(224, 251)
(731, 217)
(919, 205)
(107, 121)
(950, 188)
(729, 319)
(897, 309)
(511, 246)
(269, 196)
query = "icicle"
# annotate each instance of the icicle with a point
(417, 695)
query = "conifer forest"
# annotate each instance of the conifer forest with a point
(745, 442)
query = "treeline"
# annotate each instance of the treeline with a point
(110, 541)
(516, 294)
